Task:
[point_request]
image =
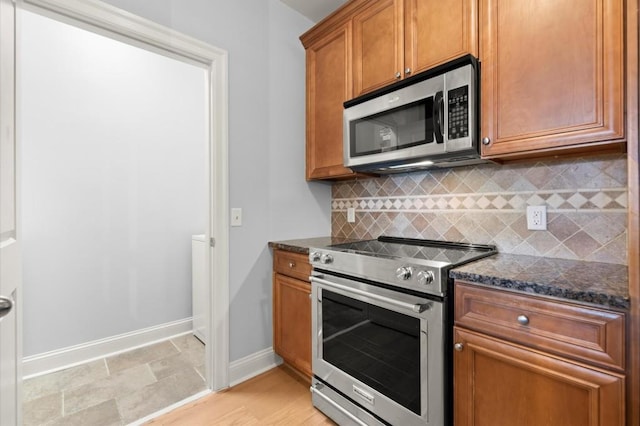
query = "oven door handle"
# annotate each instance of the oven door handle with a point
(415, 307)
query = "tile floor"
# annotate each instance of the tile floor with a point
(117, 390)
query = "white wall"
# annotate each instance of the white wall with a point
(278, 203)
(266, 142)
(299, 208)
(113, 144)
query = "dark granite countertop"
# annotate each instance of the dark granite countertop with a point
(303, 245)
(594, 283)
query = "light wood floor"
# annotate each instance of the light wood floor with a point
(276, 397)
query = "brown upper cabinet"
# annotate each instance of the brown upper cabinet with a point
(328, 86)
(393, 39)
(552, 73)
(552, 76)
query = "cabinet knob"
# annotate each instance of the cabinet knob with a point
(292, 265)
(486, 141)
(523, 320)
(398, 75)
(458, 347)
(407, 71)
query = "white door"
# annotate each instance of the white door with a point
(10, 347)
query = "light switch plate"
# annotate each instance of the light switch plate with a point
(236, 216)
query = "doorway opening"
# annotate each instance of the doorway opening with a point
(124, 301)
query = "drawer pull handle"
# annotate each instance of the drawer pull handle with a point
(523, 320)
(292, 265)
(458, 347)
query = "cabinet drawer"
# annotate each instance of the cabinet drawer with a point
(577, 332)
(292, 264)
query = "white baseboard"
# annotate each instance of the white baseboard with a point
(252, 365)
(36, 365)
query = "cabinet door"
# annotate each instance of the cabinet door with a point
(437, 31)
(552, 75)
(292, 321)
(500, 384)
(328, 86)
(377, 46)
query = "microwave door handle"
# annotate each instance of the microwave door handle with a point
(438, 115)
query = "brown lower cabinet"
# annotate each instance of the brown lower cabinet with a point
(292, 310)
(498, 383)
(521, 360)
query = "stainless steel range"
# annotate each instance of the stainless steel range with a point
(382, 324)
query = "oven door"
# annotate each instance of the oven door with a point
(377, 349)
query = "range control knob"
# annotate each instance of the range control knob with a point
(315, 256)
(326, 259)
(404, 273)
(425, 277)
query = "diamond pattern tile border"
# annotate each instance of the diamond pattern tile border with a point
(567, 200)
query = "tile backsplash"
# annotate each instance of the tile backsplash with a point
(586, 200)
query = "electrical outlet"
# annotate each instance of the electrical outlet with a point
(351, 215)
(537, 218)
(236, 217)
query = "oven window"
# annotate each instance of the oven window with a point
(379, 347)
(406, 126)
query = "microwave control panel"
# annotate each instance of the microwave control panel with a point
(458, 117)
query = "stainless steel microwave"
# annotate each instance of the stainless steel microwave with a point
(429, 120)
